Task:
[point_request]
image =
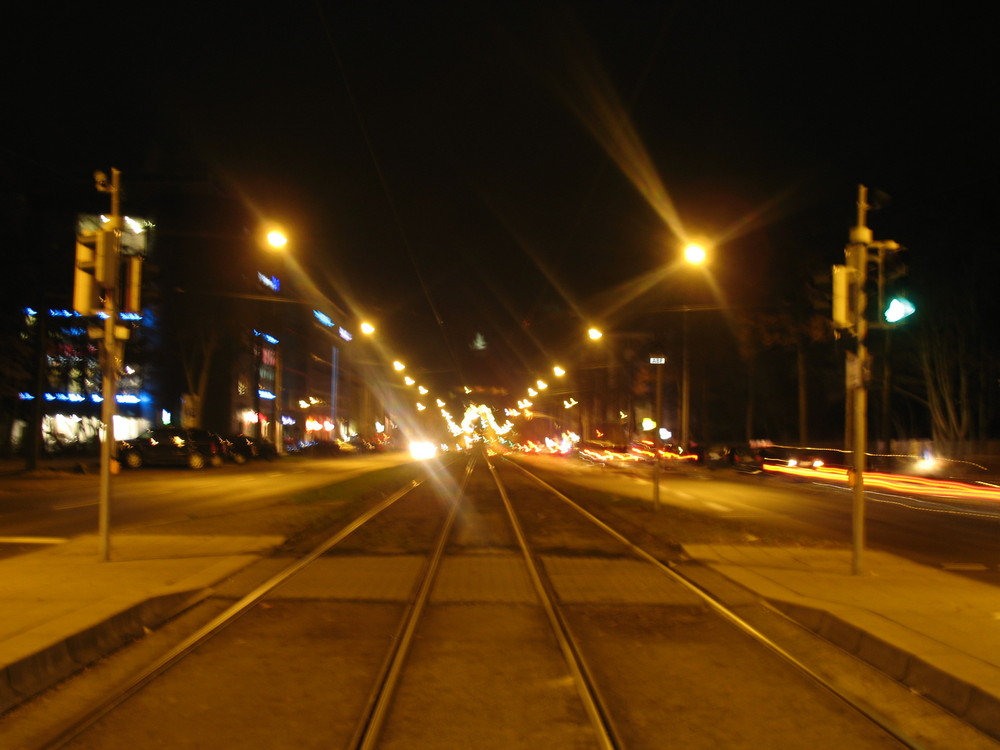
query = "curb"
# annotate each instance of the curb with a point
(972, 703)
(54, 657)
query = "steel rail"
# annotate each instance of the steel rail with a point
(90, 716)
(379, 700)
(607, 736)
(883, 722)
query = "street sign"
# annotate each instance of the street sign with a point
(657, 360)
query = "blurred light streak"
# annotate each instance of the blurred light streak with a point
(423, 450)
(591, 96)
(893, 482)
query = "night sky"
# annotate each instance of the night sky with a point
(518, 170)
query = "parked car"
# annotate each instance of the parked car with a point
(362, 445)
(173, 446)
(243, 448)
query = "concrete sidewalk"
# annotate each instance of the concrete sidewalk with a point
(61, 608)
(934, 631)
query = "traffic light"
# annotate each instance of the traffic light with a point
(843, 317)
(897, 309)
(86, 294)
(894, 305)
(133, 285)
(96, 270)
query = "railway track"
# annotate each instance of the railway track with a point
(480, 608)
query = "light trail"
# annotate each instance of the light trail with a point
(893, 482)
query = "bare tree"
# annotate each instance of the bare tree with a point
(762, 330)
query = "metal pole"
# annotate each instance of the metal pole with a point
(258, 364)
(656, 439)
(33, 445)
(278, 425)
(861, 238)
(685, 385)
(860, 430)
(109, 371)
(108, 388)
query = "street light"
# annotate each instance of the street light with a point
(695, 254)
(276, 239)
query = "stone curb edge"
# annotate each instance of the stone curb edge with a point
(39, 671)
(969, 702)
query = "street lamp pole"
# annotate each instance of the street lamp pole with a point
(695, 255)
(685, 383)
(658, 362)
(277, 241)
(279, 442)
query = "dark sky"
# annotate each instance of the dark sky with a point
(515, 169)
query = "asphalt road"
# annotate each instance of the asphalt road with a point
(959, 536)
(955, 535)
(63, 505)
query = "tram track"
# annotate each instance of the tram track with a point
(730, 615)
(230, 615)
(578, 599)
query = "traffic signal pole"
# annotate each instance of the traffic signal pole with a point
(97, 283)
(849, 308)
(857, 261)
(110, 364)
(109, 386)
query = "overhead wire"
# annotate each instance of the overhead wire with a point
(600, 171)
(387, 193)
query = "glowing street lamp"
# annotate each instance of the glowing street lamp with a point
(695, 254)
(367, 328)
(398, 366)
(594, 334)
(558, 371)
(276, 239)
